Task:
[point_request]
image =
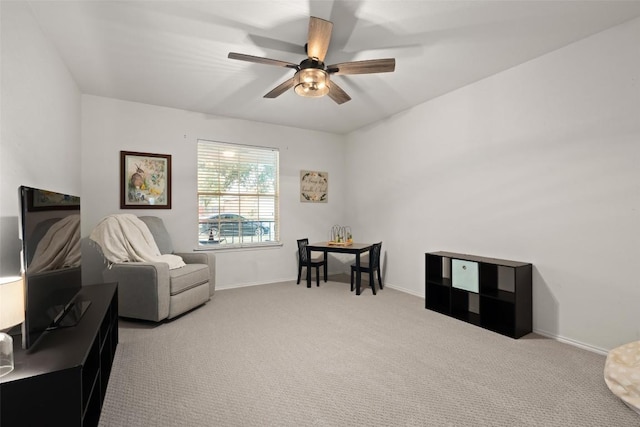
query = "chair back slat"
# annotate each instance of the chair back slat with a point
(302, 250)
(375, 255)
(372, 267)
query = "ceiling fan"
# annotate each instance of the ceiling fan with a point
(312, 78)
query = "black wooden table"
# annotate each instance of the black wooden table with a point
(355, 249)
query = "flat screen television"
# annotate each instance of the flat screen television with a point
(51, 261)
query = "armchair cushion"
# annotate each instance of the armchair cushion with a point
(159, 232)
(206, 258)
(187, 277)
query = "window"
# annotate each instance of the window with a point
(237, 195)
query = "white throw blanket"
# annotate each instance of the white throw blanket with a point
(126, 238)
(59, 247)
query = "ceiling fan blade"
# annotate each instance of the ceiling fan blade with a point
(337, 94)
(319, 38)
(364, 67)
(260, 60)
(280, 89)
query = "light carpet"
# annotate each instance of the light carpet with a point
(286, 355)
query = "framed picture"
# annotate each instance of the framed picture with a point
(314, 186)
(145, 180)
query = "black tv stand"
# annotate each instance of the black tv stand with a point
(62, 380)
(71, 315)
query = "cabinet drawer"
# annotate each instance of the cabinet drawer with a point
(464, 275)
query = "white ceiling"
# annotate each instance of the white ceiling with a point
(174, 53)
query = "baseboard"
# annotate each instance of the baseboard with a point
(405, 290)
(338, 277)
(572, 342)
(245, 285)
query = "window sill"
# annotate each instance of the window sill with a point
(233, 248)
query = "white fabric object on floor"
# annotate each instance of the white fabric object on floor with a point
(622, 374)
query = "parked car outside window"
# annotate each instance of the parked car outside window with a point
(231, 225)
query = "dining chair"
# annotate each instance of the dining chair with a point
(373, 265)
(316, 262)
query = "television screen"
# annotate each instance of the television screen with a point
(51, 259)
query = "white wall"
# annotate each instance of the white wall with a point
(110, 126)
(40, 127)
(537, 164)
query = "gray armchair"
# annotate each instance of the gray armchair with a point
(150, 291)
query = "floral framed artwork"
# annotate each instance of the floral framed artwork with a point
(145, 180)
(314, 186)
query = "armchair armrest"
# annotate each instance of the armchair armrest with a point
(143, 289)
(207, 258)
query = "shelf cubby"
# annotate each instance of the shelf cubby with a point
(439, 298)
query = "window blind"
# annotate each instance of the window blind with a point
(237, 194)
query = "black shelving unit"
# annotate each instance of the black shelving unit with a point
(502, 303)
(62, 381)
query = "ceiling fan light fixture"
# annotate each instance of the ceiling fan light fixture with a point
(311, 78)
(311, 82)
